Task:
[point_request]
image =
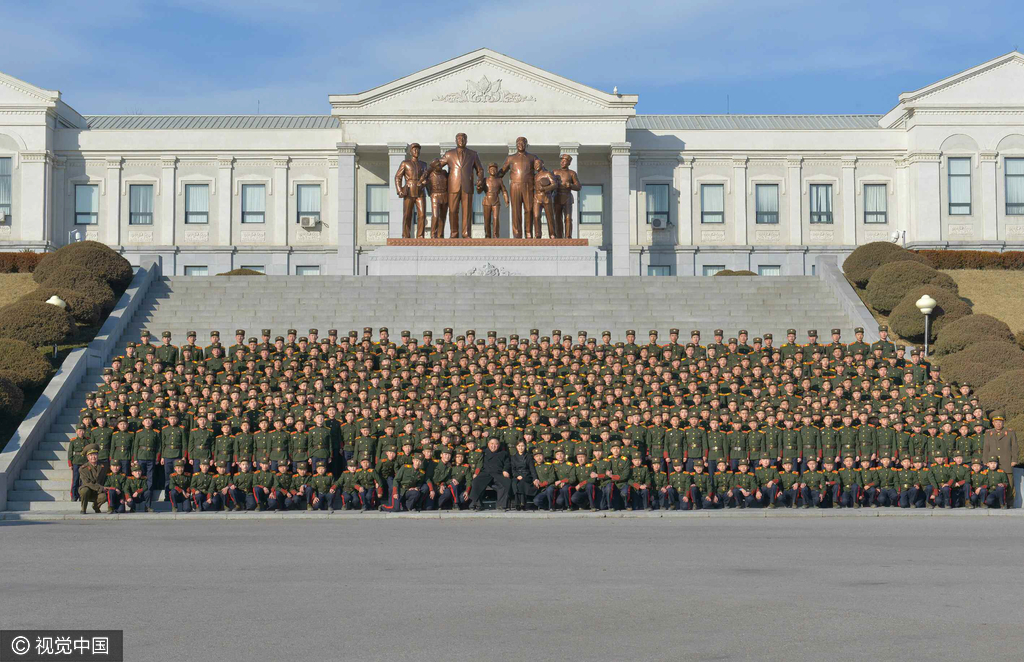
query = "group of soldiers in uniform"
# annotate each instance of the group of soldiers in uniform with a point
(305, 422)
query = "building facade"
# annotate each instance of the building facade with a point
(662, 194)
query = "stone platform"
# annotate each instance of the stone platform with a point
(479, 241)
(475, 258)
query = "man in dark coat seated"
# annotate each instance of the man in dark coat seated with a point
(494, 469)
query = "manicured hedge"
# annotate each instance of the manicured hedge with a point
(38, 324)
(908, 322)
(70, 276)
(19, 263)
(982, 362)
(966, 331)
(85, 309)
(861, 263)
(12, 398)
(23, 364)
(730, 272)
(1012, 260)
(241, 272)
(891, 281)
(1005, 394)
(106, 264)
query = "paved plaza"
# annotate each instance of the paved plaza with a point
(580, 588)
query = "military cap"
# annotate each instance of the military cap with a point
(789, 331)
(767, 336)
(917, 458)
(191, 334)
(165, 334)
(719, 332)
(695, 332)
(448, 329)
(993, 458)
(653, 332)
(698, 463)
(179, 463)
(534, 332)
(998, 417)
(492, 334)
(279, 418)
(136, 466)
(130, 344)
(251, 339)
(239, 332)
(383, 329)
(976, 459)
(460, 338)
(836, 332)
(812, 333)
(556, 332)
(514, 336)
(733, 340)
(204, 461)
(859, 329)
(293, 332)
(606, 334)
(282, 463)
(757, 340)
(279, 339)
(406, 334)
(630, 332)
(145, 333)
(883, 327)
(788, 460)
(934, 368)
(117, 463)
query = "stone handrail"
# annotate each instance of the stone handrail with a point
(826, 267)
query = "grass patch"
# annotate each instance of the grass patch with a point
(998, 293)
(15, 286)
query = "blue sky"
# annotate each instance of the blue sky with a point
(686, 56)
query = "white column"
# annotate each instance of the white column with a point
(989, 196)
(58, 198)
(396, 154)
(225, 195)
(278, 234)
(112, 219)
(168, 198)
(573, 150)
(620, 208)
(346, 220)
(926, 198)
(684, 211)
(32, 216)
(900, 216)
(795, 192)
(849, 195)
(739, 196)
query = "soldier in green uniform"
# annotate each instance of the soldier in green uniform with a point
(137, 493)
(173, 444)
(887, 483)
(263, 484)
(812, 485)
(789, 485)
(240, 490)
(122, 443)
(701, 488)
(411, 485)
(640, 485)
(114, 488)
(830, 486)
(911, 493)
(282, 496)
(301, 480)
(76, 457)
(200, 444)
(178, 483)
(678, 490)
(744, 486)
(200, 487)
(320, 449)
(768, 482)
(220, 486)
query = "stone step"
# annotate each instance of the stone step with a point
(58, 474)
(25, 485)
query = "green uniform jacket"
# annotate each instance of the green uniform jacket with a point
(172, 442)
(243, 480)
(200, 444)
(121, 446)
(202, 482)
(76, 450)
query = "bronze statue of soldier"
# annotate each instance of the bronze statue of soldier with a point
(567, 183)
(544, 187)
(462, 163)
(492, 187)
(436, 181)
(409, 186)
(521, 188)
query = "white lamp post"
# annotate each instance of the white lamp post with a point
(926, 305)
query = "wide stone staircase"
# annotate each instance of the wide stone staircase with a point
(503, 304)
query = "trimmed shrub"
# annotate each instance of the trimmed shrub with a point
(6, 263)
(907, 321)
(890, 282)
(1004, 393)
(38, 324)
(950, 259)
(23, 364)
(12, 399)
(966, 331)
(70, 276)
(85, 309)
(860, 265)
(241, 272)
(104, 263)
(22, 263)
(1017, 425)
(730, 272)
(982, 362)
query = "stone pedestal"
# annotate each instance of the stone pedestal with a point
(486, 260)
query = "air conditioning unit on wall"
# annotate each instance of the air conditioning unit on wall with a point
(309, 222)
(659, 223)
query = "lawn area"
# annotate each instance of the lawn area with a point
(998, 293)
(15, 286)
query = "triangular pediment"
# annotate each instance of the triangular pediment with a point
(17, 92)
(483, 82)
(995, 84)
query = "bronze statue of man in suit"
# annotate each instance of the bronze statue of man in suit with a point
(412, 191)
(462, 163)
(521, 188)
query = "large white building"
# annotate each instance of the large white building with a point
(663, 194)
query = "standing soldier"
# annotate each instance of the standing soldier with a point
(567, 183)
(200, 444)
(167, 353)
(76, 457)
(411, 191)
(1001, 444)
(173, 442)
(319, 442)
(145, 452)
(122, 443)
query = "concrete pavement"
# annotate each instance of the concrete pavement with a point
(684, 588)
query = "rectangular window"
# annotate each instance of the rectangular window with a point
(712, 203)
(657, 270)
(255, 267)
(140, 200)
(592, 205)
(376, 204)
(478, 210)
(657, 202)
(766, 199)
(876, 206)
(87, 204)
(254, 203)
(712, 269)
(5, 186)
(821, 203)
(959, 186)
(197, 203)
(308, 270)
(308, 200)
(197, 270)
(769, 270)
(1014, 187)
